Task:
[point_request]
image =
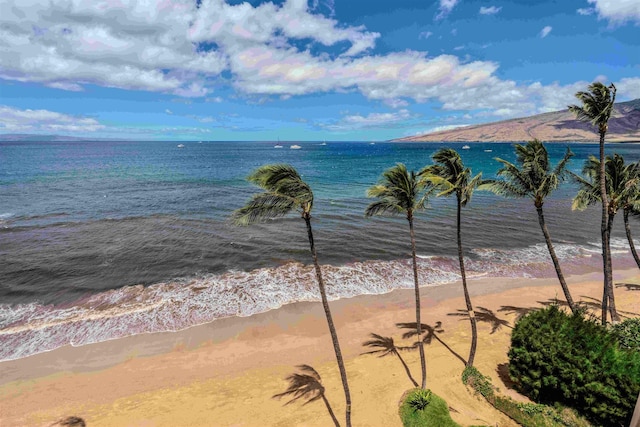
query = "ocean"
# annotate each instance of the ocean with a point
(101, 240)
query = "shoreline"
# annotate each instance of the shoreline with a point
(88, 357)
(241, 360)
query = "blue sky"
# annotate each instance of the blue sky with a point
(302, 70)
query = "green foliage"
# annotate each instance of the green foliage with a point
(472, 377)
(419, 399)
(434, 414)
(526, 414)
(555, 357)
(628, 334)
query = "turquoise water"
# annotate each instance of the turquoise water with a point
(82, 223)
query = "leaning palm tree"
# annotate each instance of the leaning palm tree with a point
(385, 346)
(534, 177)
(308, 386)
(450, 176)
(623, 181)
(285, 191)
(597, 106)
(399, 193)
(632, 206)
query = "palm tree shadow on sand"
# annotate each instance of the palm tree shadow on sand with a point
(384, 346)
(485, 315)
(629, 286)
(588, 303)
(306, 386)
(430, 333)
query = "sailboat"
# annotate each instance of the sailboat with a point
(278, 144)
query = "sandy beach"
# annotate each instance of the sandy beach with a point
(224, 373)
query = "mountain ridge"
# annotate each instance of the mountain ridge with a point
(556, 126)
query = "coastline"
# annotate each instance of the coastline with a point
(231, 367)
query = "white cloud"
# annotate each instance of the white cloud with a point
(446, 6)
(585, 11)
(618, 11)
(396, 103)
(215, 99)
(425, 35)
(155, 45)
(371, 120)
(16, 120)
(491, 10)
(168, 111)
(628, 88)
(545, 31)
(441, 128)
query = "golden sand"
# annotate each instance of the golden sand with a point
(224, 373)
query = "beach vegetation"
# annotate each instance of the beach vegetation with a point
(597, 106)
(571, 360)
(627, 333)
(423, 408)
(534, 177)
(525, 414)
(449, 176)
(399, 192)
(307, 386)
(385, 346)
(285, 192)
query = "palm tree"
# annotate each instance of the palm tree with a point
(399, 192)
(307, 386)
(385, 346)
(622, 188)
(534, 177)
(597, 106)
(449, 176)
(632, 206)
(285, 191)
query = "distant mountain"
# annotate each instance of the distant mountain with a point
(48, 138)
(624, 126)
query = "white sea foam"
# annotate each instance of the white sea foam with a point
(33, 328)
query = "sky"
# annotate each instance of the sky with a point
(298, 70)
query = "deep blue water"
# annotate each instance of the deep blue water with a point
(78, 219)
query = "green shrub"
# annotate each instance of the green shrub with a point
(525, 414)
(555, 357)
(434, 414)
(419, 400)
(628, 334)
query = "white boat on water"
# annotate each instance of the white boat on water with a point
(488, 151)
(277, 146)
(324, 143)
(180, 145)
(295, 147)
(465, 147)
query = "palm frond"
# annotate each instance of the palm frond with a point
(263, 206)
(503, 188)
(397, 191)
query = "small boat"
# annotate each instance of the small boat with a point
(277, 146)
(180, 145)
(465, 147)
(324, 143)
(372, 143)
(295, 147)
(488, 151)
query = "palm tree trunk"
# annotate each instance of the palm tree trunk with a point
(554, 258)
(333, 416)
(627, 229)
(467, 298)
(423, 364)
(612, 303)
(406, 368)
(607, 297)
(332, 328)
